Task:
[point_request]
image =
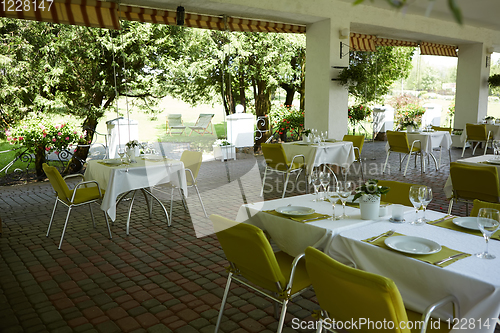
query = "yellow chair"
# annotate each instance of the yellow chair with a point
(478, 204)
(398, 193)
(476, 133)
(357, 142)
(202, 124)
(443, 129)
(345, 293)
(276, 160)
(192, 163)
(82, 194)
(398, 143)
(472, 182)
(174, 122)
(254, 264)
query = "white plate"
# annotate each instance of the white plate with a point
(412, 245)
(295, 210)
(466, 222)
(153, 157)
(493, 161)
(115, 161)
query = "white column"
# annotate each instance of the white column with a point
(471, 101)
(326, 100)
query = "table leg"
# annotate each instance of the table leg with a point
(130, 212)
(161, 204)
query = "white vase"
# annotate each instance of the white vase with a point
(409, 129)
(369, 206)
(131, 154)
(305, 138)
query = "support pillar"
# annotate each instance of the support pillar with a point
(326, 100)
(471, 101)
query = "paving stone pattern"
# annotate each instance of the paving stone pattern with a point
(157, 279)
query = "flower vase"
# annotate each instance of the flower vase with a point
(306, 139)
(409, 129)
(369, 206)
(131, 155)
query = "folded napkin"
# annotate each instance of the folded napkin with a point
(445, 252)
(448, 224)
(111, 164)
(303, 219)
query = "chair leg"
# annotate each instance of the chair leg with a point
(52, 218)
(386, 159)
(130, 212)
(463, 149)
(286, 183)
(92, 214)
(282, 317)
(449, 154)
(171, 200)
(263, 182)
(224, 299)
(183, 199)
(485, 147)
(450, 206)
(408, 162)
(64, 228)
(474, 150)
(201, 202)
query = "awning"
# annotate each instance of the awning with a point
(438, 49)
(207, 21)
(394, 42)
(360, 42)
(90, 13)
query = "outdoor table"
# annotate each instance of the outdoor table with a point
(340, 153)
(145, 173)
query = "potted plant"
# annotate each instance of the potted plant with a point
(224, 150)
(305, 135)
(489, 120)
(131, 150)
(369, 199)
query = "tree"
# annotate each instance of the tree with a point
(375, 72)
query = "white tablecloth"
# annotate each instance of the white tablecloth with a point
(448, 186)
(145, 173)
(474, 281)
(493, 128)
(339, 153)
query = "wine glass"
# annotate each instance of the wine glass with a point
(345, 191)
(496, 148)
(488, 221)
(415, 199)
(121, 153)
(315, 181)
(425, 199)
(324, 178)
(333, 196)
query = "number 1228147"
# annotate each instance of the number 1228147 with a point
(26, 5)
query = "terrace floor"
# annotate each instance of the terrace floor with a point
(157, 279)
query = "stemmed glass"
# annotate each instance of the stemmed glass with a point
(496, 148)
(488, 221)
(121, 153)
(345, 191)
(416, 200)
(324, 178)
(333, 195)
(316, 183)
(425, 199)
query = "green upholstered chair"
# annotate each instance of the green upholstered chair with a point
(398, 193)
(398, 143)
(357, 142)
(476, 133)
(478, 204)
(276, 160)
(85, 192)
(254, 264)
(472, 182)
(345, 293)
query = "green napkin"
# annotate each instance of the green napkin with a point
(303, 219)
(111, 164)
(428, 258)
(448, 224)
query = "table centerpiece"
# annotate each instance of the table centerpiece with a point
(369, 199)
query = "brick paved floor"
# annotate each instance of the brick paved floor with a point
(157, 279)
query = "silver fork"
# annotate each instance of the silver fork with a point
(387, 234)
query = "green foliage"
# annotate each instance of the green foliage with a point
(35, 132)
(375, 72)
(358, 113)
(409, 115)
(287, 119)
(494, 80)
(370, 187)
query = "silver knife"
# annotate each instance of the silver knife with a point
(315, 218)
(449, 258)
(441, 219)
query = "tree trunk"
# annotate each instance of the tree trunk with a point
(262, 105)
(302, 90)
(242, 91)
(82, 151)
(39, 160)
(290, 92)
